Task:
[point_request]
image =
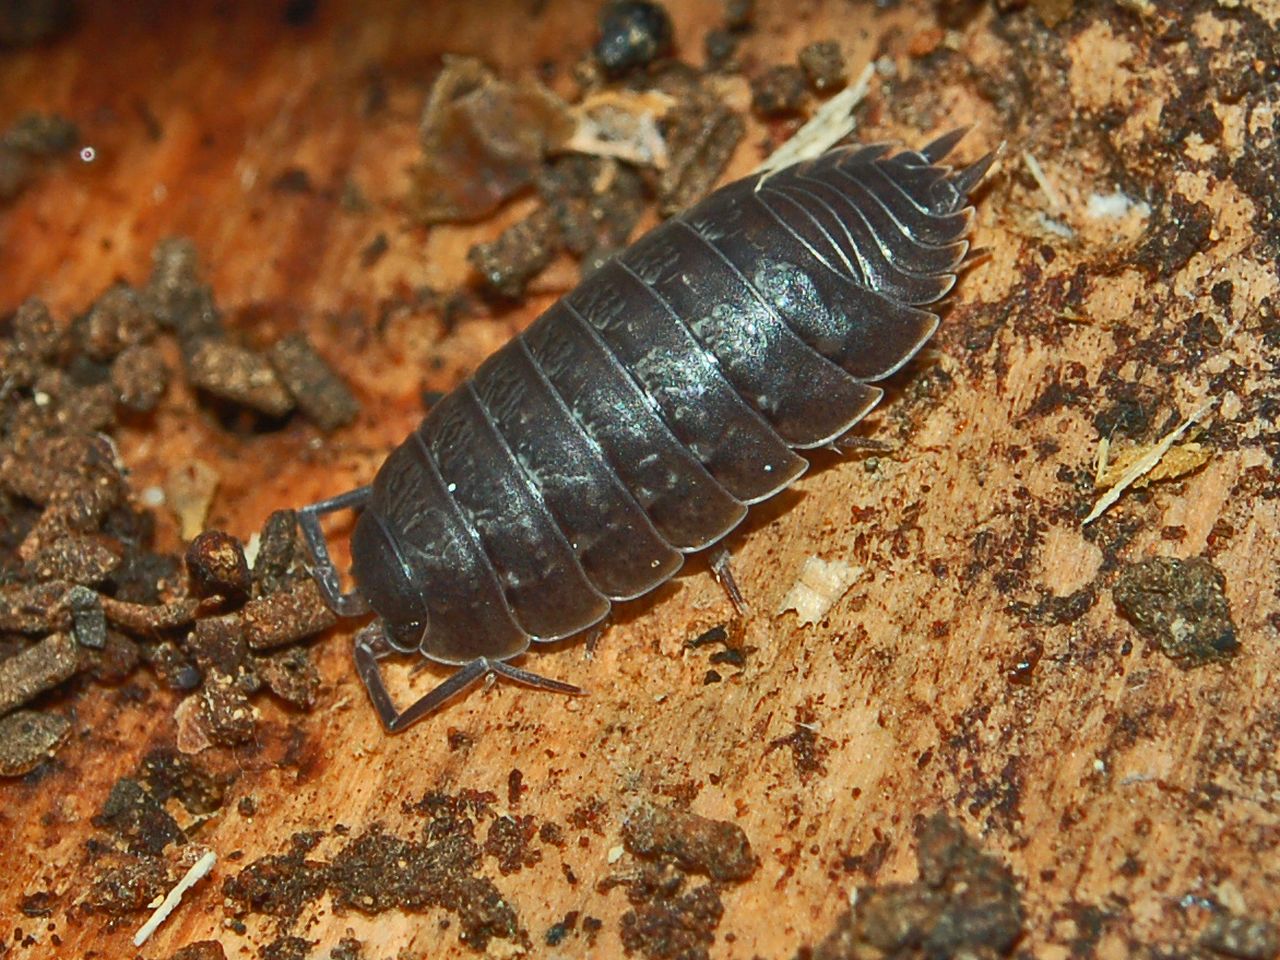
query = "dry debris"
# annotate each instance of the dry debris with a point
(27, 738)
(666, 919)
(80, 587)
(320, 394)
(716, 848)
(483, 141)
(823, 66)
(1181, 604)
(239, 375)
(377, 871)
(965, 903)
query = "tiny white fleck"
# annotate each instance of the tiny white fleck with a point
(88, 154)
(1099, 765)
(452, 487)
(41, 398)
(615, 854)
(153, 497)
(768, 468)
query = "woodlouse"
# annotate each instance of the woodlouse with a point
(638, 417)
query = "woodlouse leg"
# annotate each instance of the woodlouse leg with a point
(325, 573)
(503, 669)
(371, 646)
(724, 576)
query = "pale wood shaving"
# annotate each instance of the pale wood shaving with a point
(820, 584)
(198, 871)
(1146, 462)
(1182, 458)
(830, 124)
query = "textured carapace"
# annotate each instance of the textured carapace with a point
(636, 419)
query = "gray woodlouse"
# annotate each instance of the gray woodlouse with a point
(638, 417)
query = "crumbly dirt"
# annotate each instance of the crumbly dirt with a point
(998, 663)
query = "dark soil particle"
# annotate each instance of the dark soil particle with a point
(716, 848)
(808, 751)
(281, 885)
(666, 921)
(595, 202)
(1179, 229)
(779, 91)
(138, 819)
(287, 948)
(291, 675)
(509, 842)
(701, 134)
(38, 668)
(287, 616)
(633, 33)
(1181, 605)
(348, 948)
(125, 883)
(823, 66)
(200, 950)
(320, 394)
(964, 904)
(225, 712)
(1246, 938)
(506, 264)
(277, 562)
(377, 872)
(27, 738)
(116, 321)
(217, 566)
(588, 816)
(168, 774)
(230, 372)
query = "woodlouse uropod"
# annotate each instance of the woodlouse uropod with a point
(638, 417)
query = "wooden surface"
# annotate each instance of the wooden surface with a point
(1130, 797)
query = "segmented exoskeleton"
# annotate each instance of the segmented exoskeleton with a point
(636, 419)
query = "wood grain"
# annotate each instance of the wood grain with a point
(1132, 798)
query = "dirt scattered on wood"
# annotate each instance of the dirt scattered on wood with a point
(965, 903)
(1180, 604)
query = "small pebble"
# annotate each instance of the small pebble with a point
(216, 563)
(139, 376)
(239, 375)
(321, 395)
(27, 737)
(823, 66)
(778, 92)
(36, 669)
(720, 47)
(286, 617)
(633, 33)
(518, 254)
